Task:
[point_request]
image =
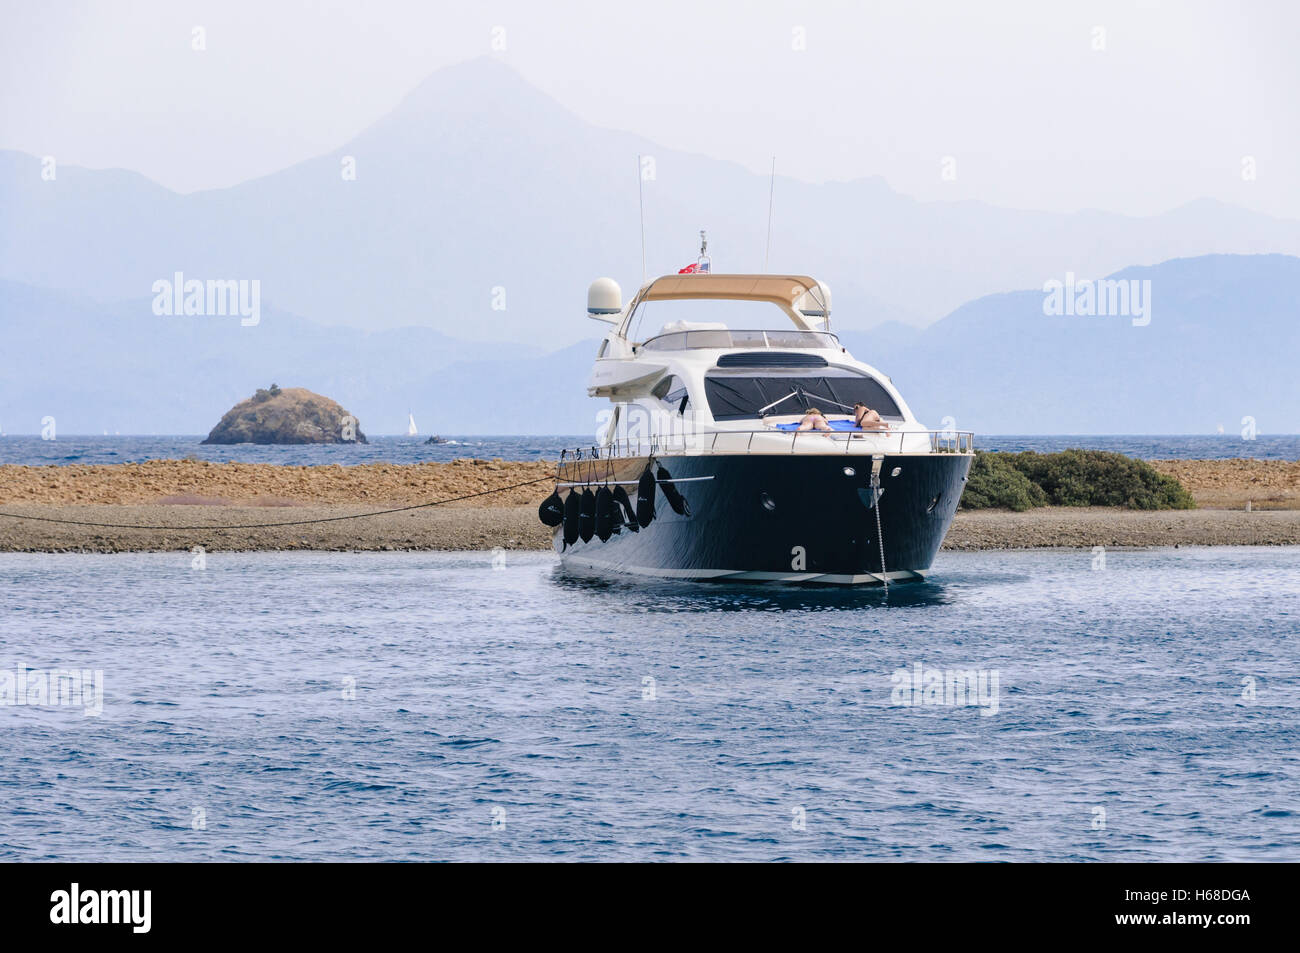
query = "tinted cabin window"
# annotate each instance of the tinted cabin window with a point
(733, 397)
(673, 393)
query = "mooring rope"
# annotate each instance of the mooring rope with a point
(323, 519)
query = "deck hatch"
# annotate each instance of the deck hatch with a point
(771, 359)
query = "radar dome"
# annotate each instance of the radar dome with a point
(604, 297)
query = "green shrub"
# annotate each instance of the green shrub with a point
(1073, 478)
(994, 482)
(1099, 478)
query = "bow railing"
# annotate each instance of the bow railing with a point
(770, 441)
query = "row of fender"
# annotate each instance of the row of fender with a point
(607, 510)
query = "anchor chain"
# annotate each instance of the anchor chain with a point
(875, 505)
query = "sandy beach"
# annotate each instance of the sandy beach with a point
(197, 495)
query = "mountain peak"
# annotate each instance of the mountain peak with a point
(484, 82)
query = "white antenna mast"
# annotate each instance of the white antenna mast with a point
(640, 198)
(771, 195)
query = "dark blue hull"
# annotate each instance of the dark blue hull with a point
(801, 518)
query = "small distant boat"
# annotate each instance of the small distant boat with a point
(436, 439)
(410, 425)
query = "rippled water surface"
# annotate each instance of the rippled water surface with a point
(64, 450)
(517, 713)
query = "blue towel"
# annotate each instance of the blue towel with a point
(835, 425)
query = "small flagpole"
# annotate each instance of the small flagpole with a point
(771, 195)
(640, 199)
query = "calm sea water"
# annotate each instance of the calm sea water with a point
(320, 706)
(33, 451)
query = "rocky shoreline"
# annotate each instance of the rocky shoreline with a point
(197, 495)
(463, 528)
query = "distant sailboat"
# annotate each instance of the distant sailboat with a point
(410, 425)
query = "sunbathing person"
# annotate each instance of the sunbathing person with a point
(867, 419)
(813, 420)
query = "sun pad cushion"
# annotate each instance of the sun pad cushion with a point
(835, 425)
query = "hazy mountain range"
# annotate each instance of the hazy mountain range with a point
(1221, 344)
(448, 277)
(478, 189)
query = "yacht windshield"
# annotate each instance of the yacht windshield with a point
(832, 390)
(725, 337)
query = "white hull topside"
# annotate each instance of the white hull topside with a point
(703, 387)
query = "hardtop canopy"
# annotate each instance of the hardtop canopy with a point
(781, 290)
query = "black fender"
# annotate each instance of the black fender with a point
(551, 512)
(587, 515)
(604, 514)
(629, 513)
(671, 494)
(571, 518)
(645, 498)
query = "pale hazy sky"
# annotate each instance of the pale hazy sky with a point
(1013, 91)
